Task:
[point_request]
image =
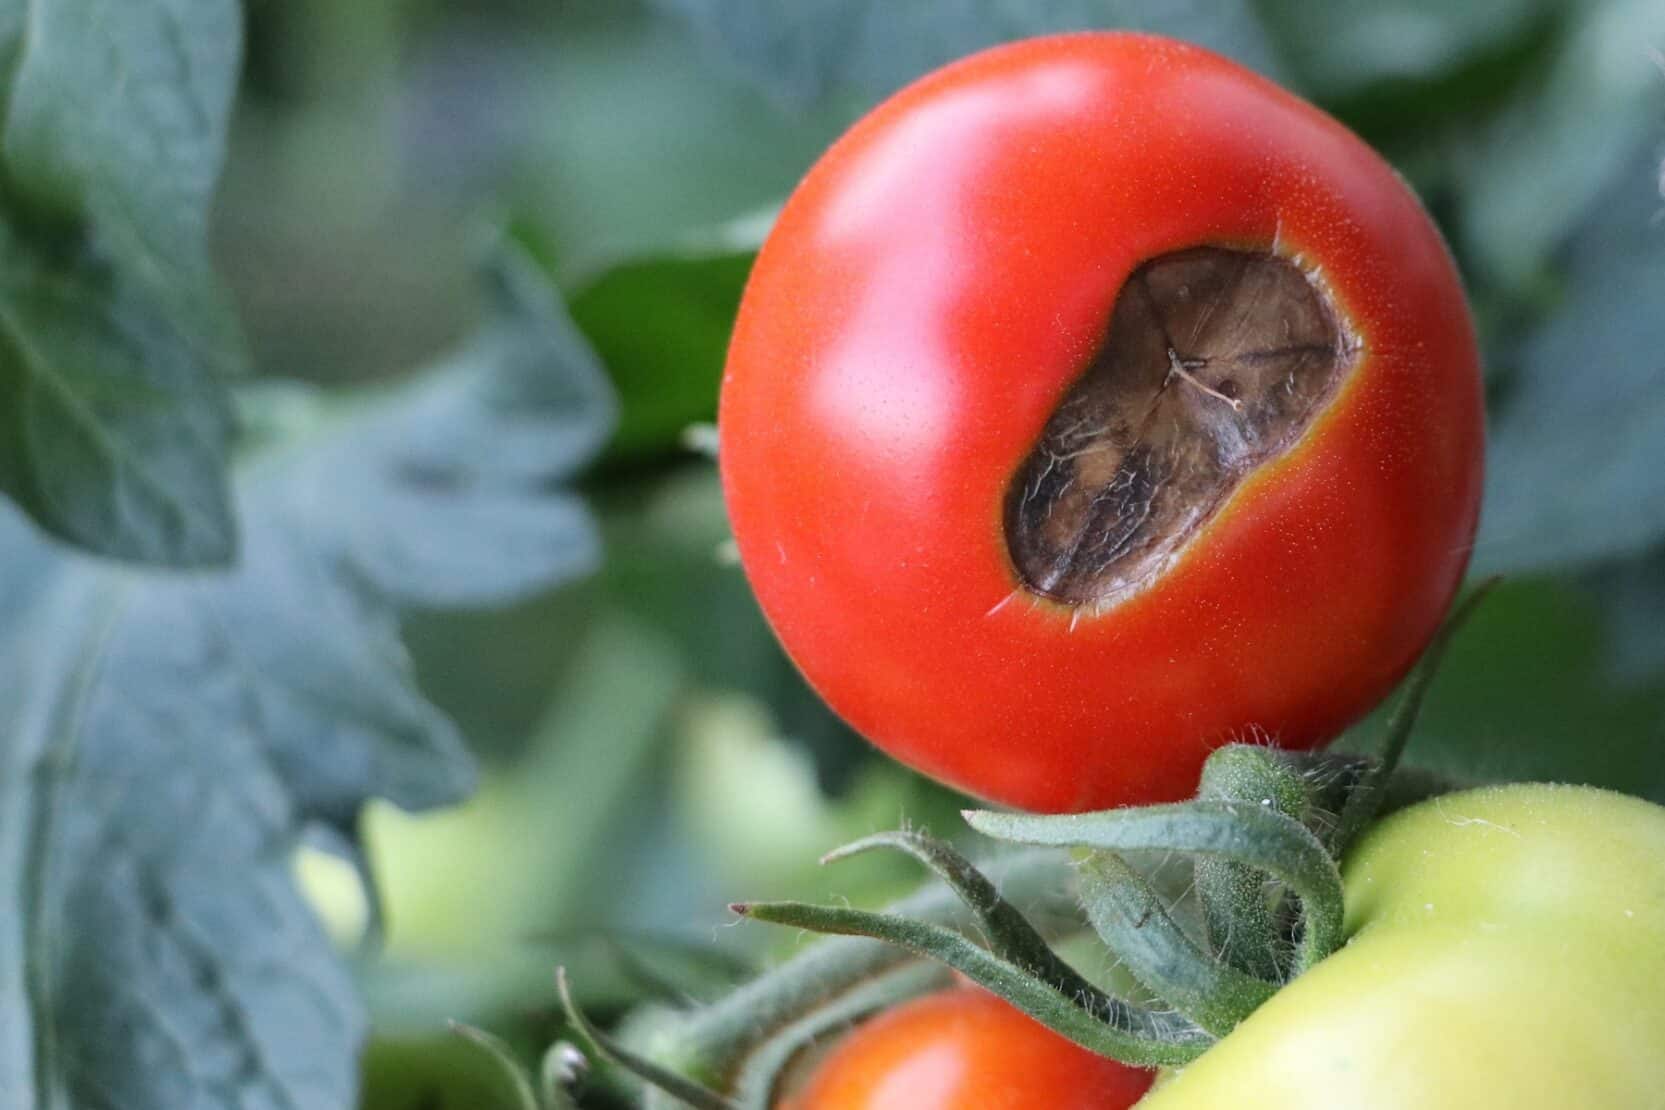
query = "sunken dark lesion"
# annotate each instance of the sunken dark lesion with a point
(1215, 362)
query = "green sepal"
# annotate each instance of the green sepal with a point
(1237, 913)
(1241, 832)
(1131, 919)
(1007, 932)
(1097, 1022)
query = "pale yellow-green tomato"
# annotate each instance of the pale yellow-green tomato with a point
(1506, 950)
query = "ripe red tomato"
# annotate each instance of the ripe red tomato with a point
(1095, 402)
(965, 1049)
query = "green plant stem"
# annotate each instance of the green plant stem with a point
(1238, 915)
(671, 1082)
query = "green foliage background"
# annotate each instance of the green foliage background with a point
(645, 753)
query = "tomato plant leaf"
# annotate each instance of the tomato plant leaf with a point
(168, 738)
(460, 467)
(114, 333)
(661, 326)
(1574, 476)
(1528, 693)
(1342, 48)
(1532, 175)
(1632, 598)
(800, 53)
(1006, 931)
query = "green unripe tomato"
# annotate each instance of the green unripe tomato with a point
(1507, 949)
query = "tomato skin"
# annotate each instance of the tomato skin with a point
(965, 1049)
(928, 295)
(1507, 949)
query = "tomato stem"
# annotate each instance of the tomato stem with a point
(672, 1082)
(1238, 916)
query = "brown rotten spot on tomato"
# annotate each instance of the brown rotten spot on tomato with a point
(1215, 362)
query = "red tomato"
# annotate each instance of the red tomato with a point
(1095, 402)
(965, 1049)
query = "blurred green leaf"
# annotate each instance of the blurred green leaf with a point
(667, 565)
(440, 1071)
(460, 468)
(168, 738)
(642, 142)
(1576, 473)
(661, 327)
(512, 1074)
(578, 790)
(1631, 596)
(1341, 47)
(1525, 692)
(802, 52)
(1532, 175)
(114, 332)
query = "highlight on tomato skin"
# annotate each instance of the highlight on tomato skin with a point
(1093, 403)
(964, 1049)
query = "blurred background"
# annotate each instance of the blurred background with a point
(648, 754)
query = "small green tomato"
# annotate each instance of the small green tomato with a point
(1507, 949)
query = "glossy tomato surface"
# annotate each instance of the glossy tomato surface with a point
(926, 301)
(965, 1049)
(1506, 949)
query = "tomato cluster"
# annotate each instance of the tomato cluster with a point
(1095, 402)
(1506, 948)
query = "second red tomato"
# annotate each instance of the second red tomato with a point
(965, 1049)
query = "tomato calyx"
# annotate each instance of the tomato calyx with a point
(1260, 815)
(1216, 360)
(1263, 820)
